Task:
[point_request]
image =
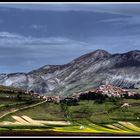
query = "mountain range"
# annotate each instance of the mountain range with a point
(88, 71)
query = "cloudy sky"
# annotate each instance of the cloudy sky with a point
(33, 35)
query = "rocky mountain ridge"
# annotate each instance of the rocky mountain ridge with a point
(88, 71)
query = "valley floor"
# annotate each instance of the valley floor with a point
(31, 116)
(87, 118)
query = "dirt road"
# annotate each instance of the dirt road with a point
(26, 107)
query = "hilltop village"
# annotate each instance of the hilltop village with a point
(102, 92)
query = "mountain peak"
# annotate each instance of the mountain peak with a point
(92, 56)
(128, 59)
(88, 71)
(134, 53)
(101, 53)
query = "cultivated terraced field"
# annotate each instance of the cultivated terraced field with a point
(88, 117)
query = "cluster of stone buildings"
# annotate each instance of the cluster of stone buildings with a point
(106, 91)
(101, 92)
(113, 91)
(55, 99)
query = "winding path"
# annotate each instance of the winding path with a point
(26, 107)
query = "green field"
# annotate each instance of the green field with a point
(45, 111)
(106, 113)
(86, 113)
(85, 116)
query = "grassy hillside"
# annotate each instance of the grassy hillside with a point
(86, 111)
(8, 88)
(12, 99)
(85, 116)
(105, 113)
(46, 111)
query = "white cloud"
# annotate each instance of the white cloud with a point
(132, 20)
(10, 35)
(7, 38)
(114, 20)
(39, 27)
(33, 52)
